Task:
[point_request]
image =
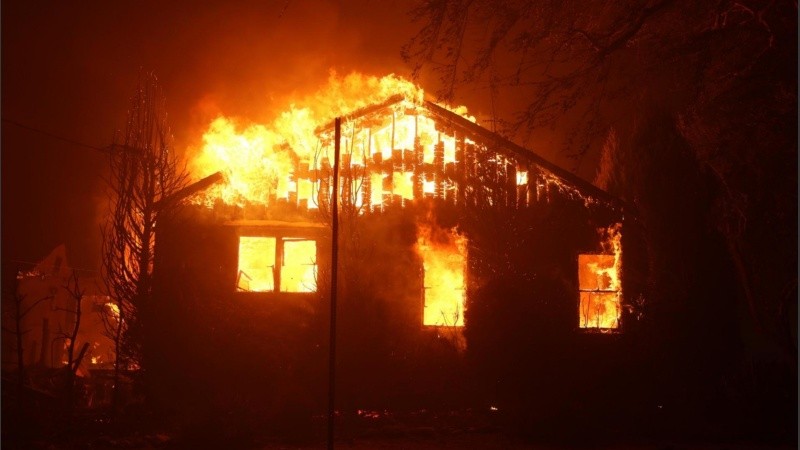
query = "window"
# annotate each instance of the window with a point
(600, 293)
(444, 261)
(299, 268)
(287, 262)
(256, 264)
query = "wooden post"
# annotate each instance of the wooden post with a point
(468, 181)
(459, 176)
(438, 169)
(334, 273)
(511, 184)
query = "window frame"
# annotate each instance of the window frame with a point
(460, 323)
(281, 232)
(617, 292)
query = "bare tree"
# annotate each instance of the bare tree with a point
(76, 292)
(145, 171)
(17, 309)
(696, 106)
(722, 70)
(589, 63)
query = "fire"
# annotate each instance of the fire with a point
(259, 257)
(262, 162)
(286, 160)
(522, 178)
(299, 270)
(444, 256)
(256, 264)
(113, 309)
(600, 283)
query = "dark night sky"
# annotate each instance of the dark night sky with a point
(70, 68)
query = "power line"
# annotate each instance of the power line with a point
(36, 263)
(55, 136)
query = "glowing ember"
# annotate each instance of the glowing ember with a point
(444, 257)
(522, 178)
(600, 284)
(114, 309)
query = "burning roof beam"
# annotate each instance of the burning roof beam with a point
(363, 112)
(190, 190)
(480, 134)
(395, 152)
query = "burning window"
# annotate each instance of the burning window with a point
(444, 260)
(259, 258)
(600, 292)
(600, 282)
(299, 265)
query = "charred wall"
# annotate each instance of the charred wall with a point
(223, 351)
(523, 341)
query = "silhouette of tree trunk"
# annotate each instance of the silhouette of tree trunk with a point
(144, 170)
(17, 309)
(723, 71)
(76, 292)
(696, 103)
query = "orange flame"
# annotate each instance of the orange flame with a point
(264, 259)
(600, 283)
(444, 256)
(282, 160)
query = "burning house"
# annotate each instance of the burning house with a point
(453, 240)
(56, 323)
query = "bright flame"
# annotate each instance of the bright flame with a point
(403, 185)
(600, 283)
(522, 178)
(258, 257)
(444, 260)
(114, 309)
(285, 160)
(256, 264)
(299, 270)
(258, 165)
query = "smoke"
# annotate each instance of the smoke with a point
(265, 58)
(71, 69)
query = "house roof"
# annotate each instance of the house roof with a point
(493, 141)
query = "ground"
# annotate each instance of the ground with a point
(369, 430)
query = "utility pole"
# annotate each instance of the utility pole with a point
(334, 272)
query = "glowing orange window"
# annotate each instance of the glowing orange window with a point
(299, 265)
(267, 262)
(600, 293)
(444, 261)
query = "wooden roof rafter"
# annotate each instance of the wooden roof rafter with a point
(492, 140)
